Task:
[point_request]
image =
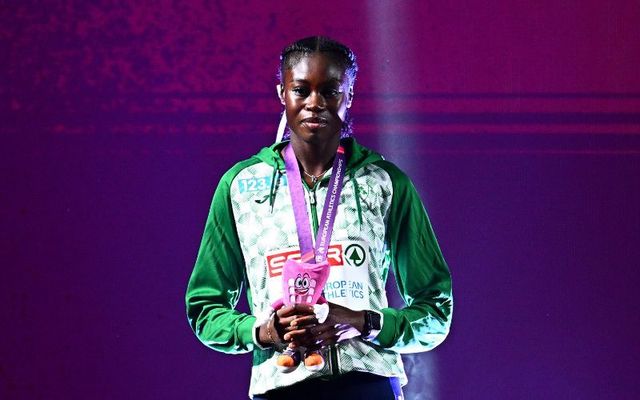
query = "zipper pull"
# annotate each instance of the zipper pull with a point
(312, 196)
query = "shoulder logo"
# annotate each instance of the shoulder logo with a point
(259, 183)
(355, 255)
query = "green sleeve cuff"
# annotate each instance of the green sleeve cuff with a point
(387, 336)
(245, 331)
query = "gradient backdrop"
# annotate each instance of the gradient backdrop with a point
(518, 121)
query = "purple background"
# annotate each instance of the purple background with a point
(519, 123)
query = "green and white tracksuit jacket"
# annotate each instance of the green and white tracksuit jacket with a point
(381, 224)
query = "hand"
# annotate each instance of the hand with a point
(341, 324)
(275, 329)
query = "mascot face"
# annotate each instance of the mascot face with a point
(303, 283)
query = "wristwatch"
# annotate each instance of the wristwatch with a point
(372, 324)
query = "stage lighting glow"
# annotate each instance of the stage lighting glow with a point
(386, 24)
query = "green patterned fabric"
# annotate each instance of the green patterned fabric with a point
(381, 224)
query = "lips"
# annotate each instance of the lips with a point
(315, 122)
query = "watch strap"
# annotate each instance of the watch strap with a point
(372, 324)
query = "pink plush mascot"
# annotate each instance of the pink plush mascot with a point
(302, 283)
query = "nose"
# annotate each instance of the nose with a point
(315, 101)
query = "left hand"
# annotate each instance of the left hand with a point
(341, 324)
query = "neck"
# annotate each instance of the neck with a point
(315, 158)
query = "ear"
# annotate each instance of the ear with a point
(350, 97)
(280, 90)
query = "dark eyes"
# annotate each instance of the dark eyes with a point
(326, 93)
(331, 93)
(301, 91)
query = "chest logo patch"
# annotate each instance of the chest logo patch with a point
(275, 261)
(355, 255)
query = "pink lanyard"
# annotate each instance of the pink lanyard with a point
(299, 204)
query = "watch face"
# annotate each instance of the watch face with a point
(374, 317)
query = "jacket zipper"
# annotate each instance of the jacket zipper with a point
(314, 213)
(333, 351)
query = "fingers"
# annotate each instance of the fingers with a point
(319, 335)
(311, 336)
(295, 316)
(297, 324)
(301, 337)
(299, 327)
(295, 334)
(284, 322)
(325, 336)
(329, 336)
(307, 320)
(295, 309)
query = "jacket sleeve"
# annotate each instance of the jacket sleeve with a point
(217, 280)
(422, 276)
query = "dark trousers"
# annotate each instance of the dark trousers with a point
(352, 386)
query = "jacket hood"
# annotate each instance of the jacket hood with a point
(357, 155)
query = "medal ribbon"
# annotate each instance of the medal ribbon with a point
(299, 204)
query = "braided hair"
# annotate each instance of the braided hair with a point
(338, 52)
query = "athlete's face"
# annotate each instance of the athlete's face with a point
(316, 94)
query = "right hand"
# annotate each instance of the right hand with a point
(341, 324)
(279, 331)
